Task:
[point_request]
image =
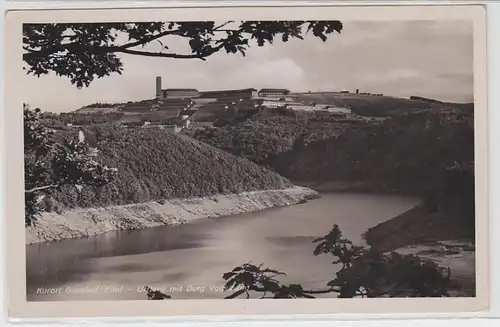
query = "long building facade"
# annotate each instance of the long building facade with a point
(180, 93)
(174, 93)
(234, 94)
(188, 93)
(273, 92)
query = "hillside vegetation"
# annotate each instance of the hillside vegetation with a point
(259, 138)
(378, 106)
(402, 153)
(155, 165)
(428, 153)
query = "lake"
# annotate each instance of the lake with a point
(188, 260)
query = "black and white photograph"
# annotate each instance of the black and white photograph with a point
(249, 158)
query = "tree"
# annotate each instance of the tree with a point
(49, 164)
(83, 52)
(364, 272)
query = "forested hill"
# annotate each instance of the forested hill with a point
(153, 165)
(405, 153)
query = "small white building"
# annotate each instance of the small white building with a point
(281, 98)
(346, 111)
(301, 107)
(274, 104)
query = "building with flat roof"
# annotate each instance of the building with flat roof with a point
(273, 92)
(249, 93)
(180, 93)
(174, 93)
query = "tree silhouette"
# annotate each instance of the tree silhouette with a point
(364, 272)
(49, 164)
(83, 52)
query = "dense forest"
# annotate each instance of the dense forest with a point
(154, 165)
(408, 149)
(428, 153)
(261, 137)
(423, 152)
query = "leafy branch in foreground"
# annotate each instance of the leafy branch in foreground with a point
(363, 272)
(85, 51)
(49, 164)
(156, 295)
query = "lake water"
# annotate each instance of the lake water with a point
(188, 261)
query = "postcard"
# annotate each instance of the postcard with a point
(181, 162)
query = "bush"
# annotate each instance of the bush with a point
(363, 272)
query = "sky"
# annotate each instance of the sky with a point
(425, 58)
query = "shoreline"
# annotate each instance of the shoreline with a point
(415, 227)
(431, 237)
(79, 223)
(406, 233)
(369, 187)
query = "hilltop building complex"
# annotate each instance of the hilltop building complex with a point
(178, 108)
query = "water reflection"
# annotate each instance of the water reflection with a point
(200, 252)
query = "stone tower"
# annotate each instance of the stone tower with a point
(158, 88)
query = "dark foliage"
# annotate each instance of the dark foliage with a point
(76, 118)
(156, 295)
(427, 153)
(100, 105)
(153, 164)
(363, 272)
(408, 153)
(260, 137)
(83, 52)
(50, 165)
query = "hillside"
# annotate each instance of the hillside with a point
(99, 108)
(378, 106)
(414, 153)
(401, 154)
(260, 137)
(223, 111)
(428, 153)
(155, 165)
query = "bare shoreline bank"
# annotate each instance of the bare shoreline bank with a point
(366, 186)
(433, 237)
(80, 223)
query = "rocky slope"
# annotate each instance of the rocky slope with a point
(93, 221)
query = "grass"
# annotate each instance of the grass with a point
(377, 106)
